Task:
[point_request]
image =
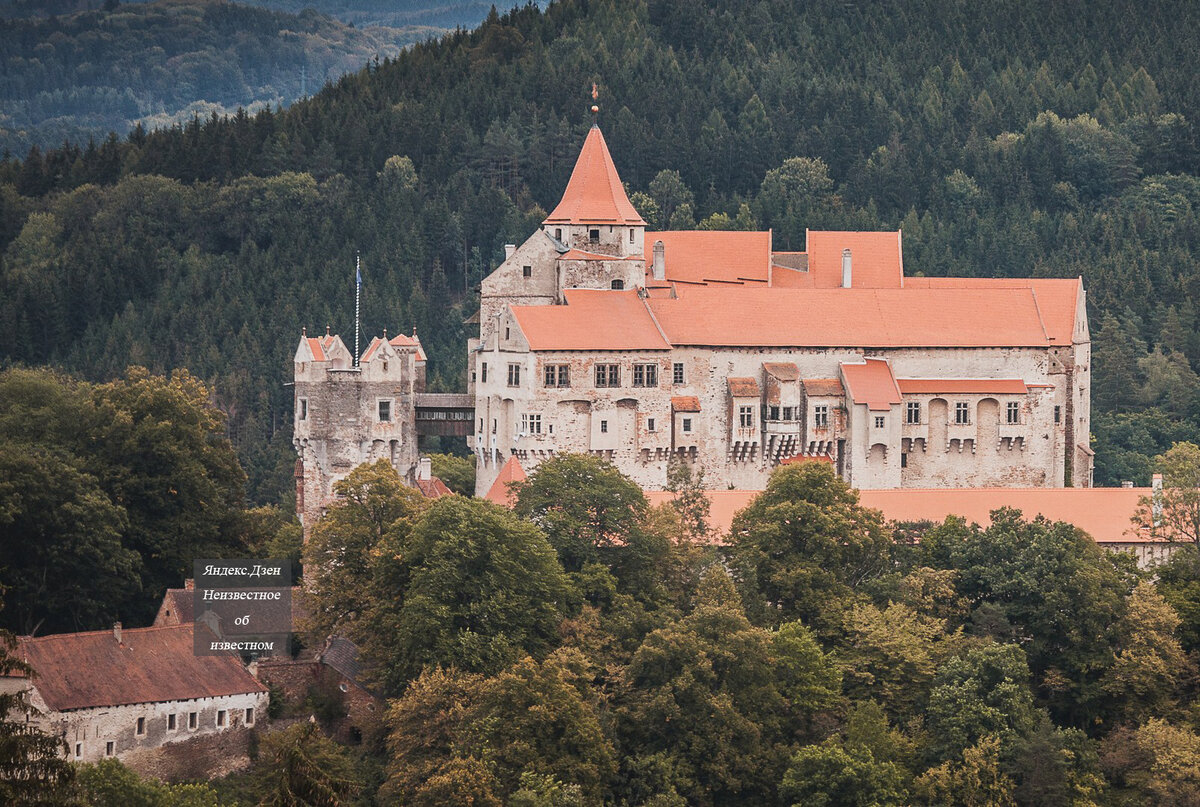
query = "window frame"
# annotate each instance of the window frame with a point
(745, 417)
(556, 376)
(514, 374)
(881, 421)
(303, 409)
(384, 406)
(912, 413)
(820, 416)
(687, 425)
(1012, 413)
(645, 374)
(607, 375)
(962, 413)
(677, 373)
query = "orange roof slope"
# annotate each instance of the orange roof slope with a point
(875, 259)
(1103, 513)
(594, 194)
(500, 492)
(1057, 298)
(696, 256)
(591, 320)
(962, 386)
(149, 665)
(822, 386)
(872, 384)
(751, 316)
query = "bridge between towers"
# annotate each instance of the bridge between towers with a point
(445, 414)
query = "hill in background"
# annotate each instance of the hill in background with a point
(93, 72)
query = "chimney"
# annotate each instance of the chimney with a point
(1127, 485)
(117, 631)
(189, 584)
(509, 249)
(659, 269)
(845, 268)
(425, 469)
(1156, 498)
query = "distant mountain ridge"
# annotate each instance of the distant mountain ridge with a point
(85, 74)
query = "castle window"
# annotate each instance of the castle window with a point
(631, 235)
(903, 460)
(78, 750)
(962, 413)
(1013, 412)
(531, 424)
(249, 715)
(141, 726)
(645, 375)
(604, 427)
(385, 411)
(746, 417)
(483, 372)
(593, 235)
(558, 233)
(649, 424)
(687, 425)
(193, 718)
(171, 722)
(514, 375)
(608, 375)
(526, 271)
(774, 414)
(677, 373)
(617, 285)
(220, 718)
(304, 408)
(789, 413)
(558, 375)
(507, 333)
(912, 412)
(1058, 414)
(385, 366)
(821, 416)
(880, 421)
(108, 749)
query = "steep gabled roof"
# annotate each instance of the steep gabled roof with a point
(594, 194)
(591, 320)
(871, 383)
(499, 492)
(148, 665)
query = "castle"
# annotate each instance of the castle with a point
(712, 348)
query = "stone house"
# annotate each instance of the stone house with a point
(112, 692)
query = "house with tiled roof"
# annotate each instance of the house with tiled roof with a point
(108, 693)
(598, 336)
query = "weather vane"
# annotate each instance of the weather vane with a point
(595, 95)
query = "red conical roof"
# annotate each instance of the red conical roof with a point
(594, 194)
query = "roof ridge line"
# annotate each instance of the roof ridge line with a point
(654, 319)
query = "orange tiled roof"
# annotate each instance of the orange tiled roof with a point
(591, 320)
(149, 665)
(696, 256)
(1056, 298)
(594, 194)
(962, 386)
(433, 488)
(753, 316)
(871, 384)
(783, 370)
(823, 386)
(743, 388)
(876, 261)
(409, 341)
(499, 492)
(685, 403)
(314, 346)
(1103, 513)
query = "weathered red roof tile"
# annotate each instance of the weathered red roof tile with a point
(685, 403)
(501, 491)
(782, 370)
(148, 665)
(823, 387)
(743, 388)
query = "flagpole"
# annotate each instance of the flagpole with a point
(357, 294)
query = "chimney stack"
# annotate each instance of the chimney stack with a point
(189, 584)
(117, 631)
(659, 268)
(1156, 498)
(845, 269)
(425, 469)
(509, 249)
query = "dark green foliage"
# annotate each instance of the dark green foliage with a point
(115, 488)
(33, 771)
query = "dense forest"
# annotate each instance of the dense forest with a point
(154, 64)
(1008, 138)
(587, 649)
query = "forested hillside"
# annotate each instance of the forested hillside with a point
(87, 74)
(1007, 138)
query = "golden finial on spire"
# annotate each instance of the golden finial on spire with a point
(595, 95)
